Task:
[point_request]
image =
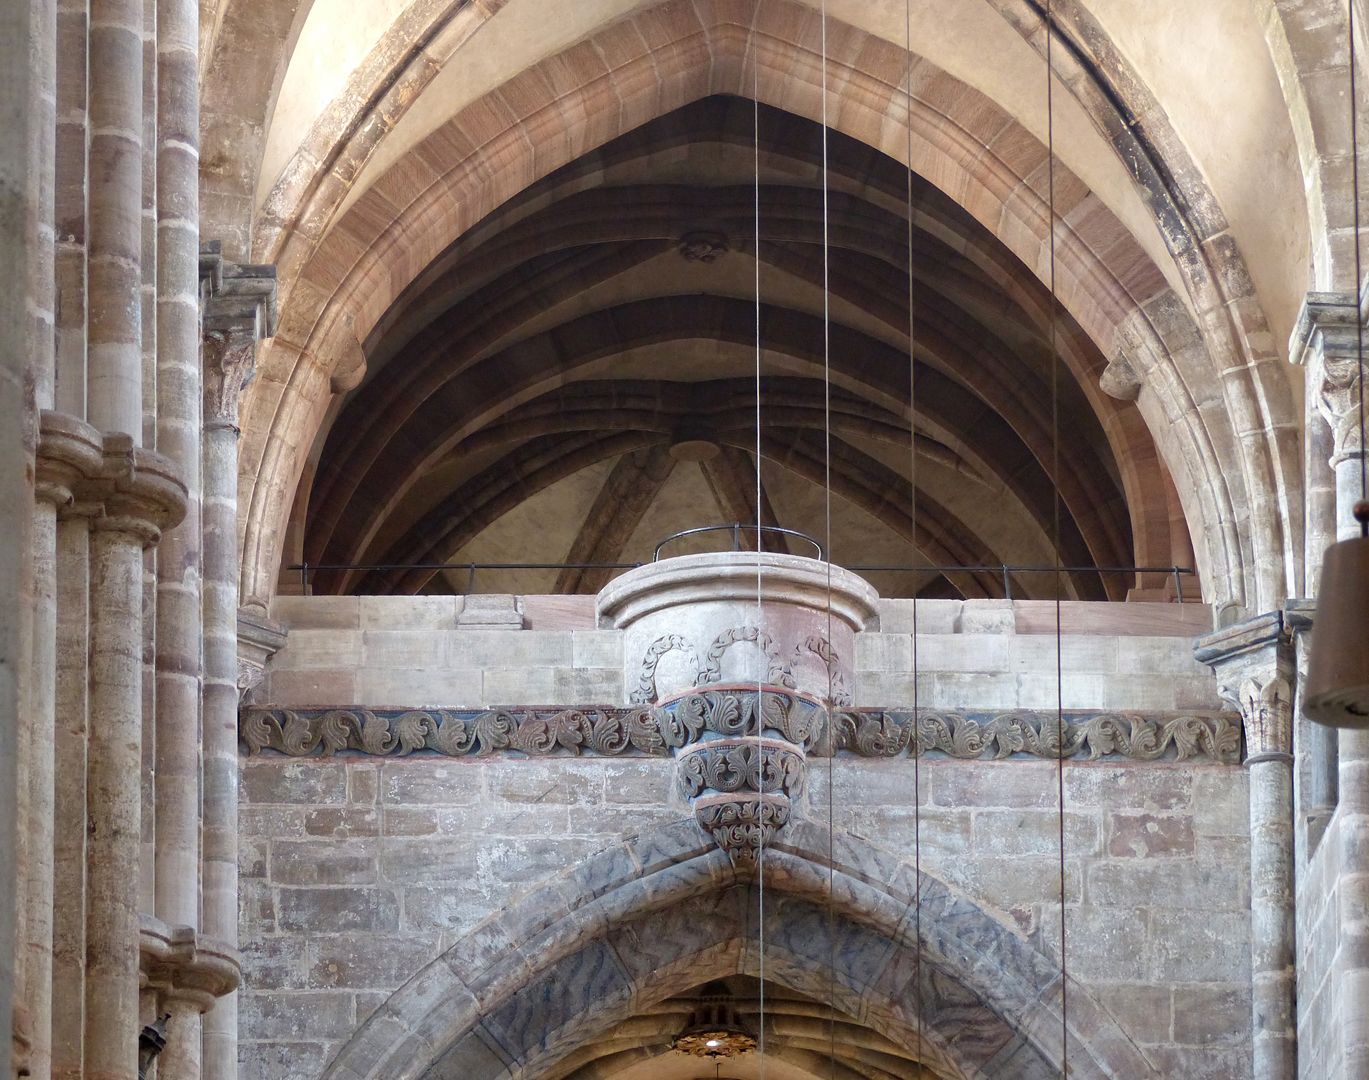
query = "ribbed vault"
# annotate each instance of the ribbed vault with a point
(548, 362)
(803, 1040)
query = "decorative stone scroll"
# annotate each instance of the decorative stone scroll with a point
(657, 730)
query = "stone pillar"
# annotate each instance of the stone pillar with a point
(1253, 662)
(178, 608)
(115, 209)
(70, 206)
(239, 312)
(140, 494)
(69, 817)
(744, 654)
(1316, 781)
(69, 453)
(18, 86)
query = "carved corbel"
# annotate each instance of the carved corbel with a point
(1326, 343)
(185, 966)
(140, 492)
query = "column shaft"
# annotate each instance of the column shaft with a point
(16, 475)
(1273, 974)
(179, 404)
(220, 728)
(179, 401)
(73, 28)
(113, 802)
(69, 814)
(115, 226)
(41, 718)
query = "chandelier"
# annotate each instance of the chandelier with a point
(715, 1029)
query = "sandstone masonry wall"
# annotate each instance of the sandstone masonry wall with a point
(358, 871)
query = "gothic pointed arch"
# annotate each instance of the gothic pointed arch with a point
(893, 951)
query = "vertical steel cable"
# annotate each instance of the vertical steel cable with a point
(1359, 272)
(827, 541)
(912, 532)
(1055, 528)
(760, 679)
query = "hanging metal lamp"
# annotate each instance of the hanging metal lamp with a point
(1337, 688)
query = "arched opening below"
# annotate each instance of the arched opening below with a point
(571, 962)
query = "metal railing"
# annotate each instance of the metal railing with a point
(737, 530)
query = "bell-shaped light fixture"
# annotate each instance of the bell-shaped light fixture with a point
(1337, 688)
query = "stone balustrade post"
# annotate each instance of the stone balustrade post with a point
(1254, 665)
(239, 311)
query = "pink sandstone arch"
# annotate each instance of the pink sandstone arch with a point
(1228, 468)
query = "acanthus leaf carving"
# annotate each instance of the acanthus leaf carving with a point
(655, 730)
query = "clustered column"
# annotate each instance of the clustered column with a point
(102, 368)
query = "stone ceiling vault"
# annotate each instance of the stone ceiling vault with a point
(574, 327)
(1149, 267)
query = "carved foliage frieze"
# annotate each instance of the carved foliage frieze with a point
(657, 730)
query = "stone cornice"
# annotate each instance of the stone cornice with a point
(185, 965)
(654, 730)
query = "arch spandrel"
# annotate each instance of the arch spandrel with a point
(666, 911)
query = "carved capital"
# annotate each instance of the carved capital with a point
(259, 639)
(1254, 665)
(239, 305)
(1266, 709)
(1326, 342)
